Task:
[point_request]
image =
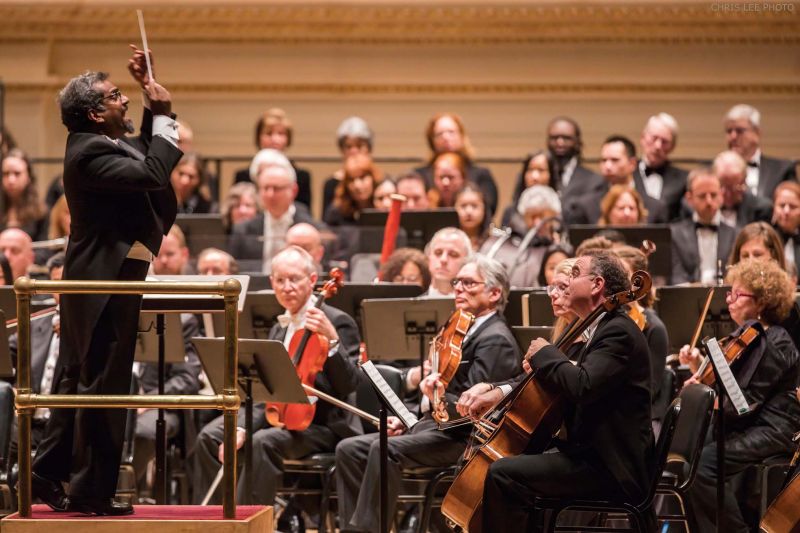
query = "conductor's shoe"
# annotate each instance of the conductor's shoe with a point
(100, 507)
(49, 491)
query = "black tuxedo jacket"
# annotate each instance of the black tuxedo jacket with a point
(673, 190)
(247, 238)
(753, 209)
(118, 193)
(772, 171)
(586, 209)
(583, 182)
(607, 396)
(41, 337)
(480, 176)
(303, 183)
(686, 254)
(339, 376)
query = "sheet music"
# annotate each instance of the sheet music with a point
(728, 381)
(396, 404)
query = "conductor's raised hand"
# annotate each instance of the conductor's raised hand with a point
(160, 99)
(318, 322)
(137, 66)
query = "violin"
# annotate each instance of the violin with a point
(310, 353)
(734, 347)
(445, 357)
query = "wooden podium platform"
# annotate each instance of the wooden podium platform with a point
(146, 518)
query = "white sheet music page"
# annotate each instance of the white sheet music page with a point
(398, 407)
(728, 381)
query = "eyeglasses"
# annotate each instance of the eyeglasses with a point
(115, 96)
(406, 279)
(467, 283)
(731, 297)
(292, 281)
(575, 274)
(553, 290)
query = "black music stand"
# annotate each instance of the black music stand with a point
(202, 231)
(350, 295)
(420, 225)
(540, 309)
(513, 311)
(726, 386)
(661, 260)
(680, 308)
(260, 313)
(525, 334)
(178, 303)
(266, 374)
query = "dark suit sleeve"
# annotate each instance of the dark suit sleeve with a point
(184, 378)
(340, 368)
(603, 369)
(303, 187)
(102, 168)
(658, 342)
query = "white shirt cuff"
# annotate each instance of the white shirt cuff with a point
(505, 389)
(166, 127)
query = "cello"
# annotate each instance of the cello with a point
(310, 351)
(528, 418)
(783, 515)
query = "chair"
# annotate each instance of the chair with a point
(697, 407)
(666, 393)
(635, 513)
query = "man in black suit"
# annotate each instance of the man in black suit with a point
(294, 274)
(608, 449)
(702, 244)
(743, 134)
(122, 203)
(570, 178)
(655, 175)
(256, 241)
(489, 353)
(739, 206)
(617, 164)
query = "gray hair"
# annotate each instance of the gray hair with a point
(667, 120)
(305, 259)
(729, 156)
(748, 112)
(452, 232)
(354, 127)
(78, 97)
(271, 158)
(539, 197)
(494, 276)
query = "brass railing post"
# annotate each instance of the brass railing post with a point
(27, 402)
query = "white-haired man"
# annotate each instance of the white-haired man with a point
(259, 239)
(655, 175)
(743, 134)
(739, 206)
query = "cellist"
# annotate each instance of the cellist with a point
(489, 353)
(293, 276)
(608, 447)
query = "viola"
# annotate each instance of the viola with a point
(734, 347)
(310, 351)
(529, 416)
(445, 357)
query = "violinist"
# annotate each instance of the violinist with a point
(607, 449)
(489, 354)
(294, 274)
(767, 372)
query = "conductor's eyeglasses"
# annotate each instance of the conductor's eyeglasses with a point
(115, 96)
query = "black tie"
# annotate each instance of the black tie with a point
(753, 164)
(700, 225)
(653, 170)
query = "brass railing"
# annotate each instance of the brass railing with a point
(27, 402)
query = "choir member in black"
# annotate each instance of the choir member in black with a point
(608, 449)
(489, 354)
(786, 218)
(190, 182)
(739, 205)
(767, 372)
(655, 175)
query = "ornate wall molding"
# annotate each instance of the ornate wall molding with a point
(424, 23)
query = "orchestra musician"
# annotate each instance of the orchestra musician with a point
(767, 371)
(489, 354)
(294, 274)
(608, 447)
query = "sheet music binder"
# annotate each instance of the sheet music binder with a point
(388, 395)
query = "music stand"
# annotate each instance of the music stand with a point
(540, 308)
(147, 339)
(402, 328)
(513, 310)
(275, 381)
(259, 315)
(420, 225)
(350, 295)
(6, 364)
(525, 334)
(660, 262)
(202, 231)
(680, 307)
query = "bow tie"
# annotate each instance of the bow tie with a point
(653, 170)
(701, 225)
(284, 320)
(753, 164)
(795, 237)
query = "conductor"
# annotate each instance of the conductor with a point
(121, 201)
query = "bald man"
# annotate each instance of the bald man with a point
(18, 249)
(308, 238)
(215, 262)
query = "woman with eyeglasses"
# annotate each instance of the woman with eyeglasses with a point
(760, 297)
(408, 266)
